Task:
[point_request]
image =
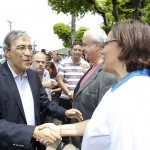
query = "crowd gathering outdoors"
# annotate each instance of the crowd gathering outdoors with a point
(96, 98)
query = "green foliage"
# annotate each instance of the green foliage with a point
(64, 32)
(79, 33)
(74, 7)
(111, 10)
(146, 11)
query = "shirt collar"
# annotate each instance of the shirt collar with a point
(81, 60)
(144, 72)
(13, 73)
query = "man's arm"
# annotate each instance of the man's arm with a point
(63, 86)
(49, 83)
(19, 135)
(76, 129)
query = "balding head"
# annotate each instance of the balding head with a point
(96, 34)
(93, 40)
(39, 61)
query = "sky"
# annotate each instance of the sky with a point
(37, 18)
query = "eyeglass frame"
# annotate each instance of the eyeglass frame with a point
(105, 43)
(23, 48)
(89, 43)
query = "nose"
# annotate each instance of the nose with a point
(40, 63)
(27, 52)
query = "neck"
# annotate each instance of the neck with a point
(121, 72)
(97, 61)
(76, 60)
(19, 73)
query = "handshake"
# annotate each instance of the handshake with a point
(49, 133)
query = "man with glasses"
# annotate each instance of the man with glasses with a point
(94, 84)
(23, 99)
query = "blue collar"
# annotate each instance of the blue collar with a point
(144, 72)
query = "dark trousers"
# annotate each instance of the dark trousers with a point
(67, 104)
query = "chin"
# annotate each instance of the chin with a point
(26, 67)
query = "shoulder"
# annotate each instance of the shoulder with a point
(107, 78)
(65, 60)
(31, 72)
(84, 63)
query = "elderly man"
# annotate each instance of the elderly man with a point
(23, 98)
(94, 84)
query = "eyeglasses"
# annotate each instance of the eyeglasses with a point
(107, 42)
(24, 47)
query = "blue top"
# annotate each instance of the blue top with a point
(144, 72)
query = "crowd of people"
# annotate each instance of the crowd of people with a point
(100, 91)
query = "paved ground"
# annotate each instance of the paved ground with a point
(67, 147)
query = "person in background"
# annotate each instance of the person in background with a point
(71, 69)
(55, 59)
(56, 90)
(38, 64)
(121, 121)
(23, 98)
(95, 82)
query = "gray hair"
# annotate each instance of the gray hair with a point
(12, 35)
(96, 34)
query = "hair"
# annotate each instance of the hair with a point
(96, 34)
(43, 51)
(133, 37)
(76, 43)
(11, 36)
(52, 66)
(38, 52)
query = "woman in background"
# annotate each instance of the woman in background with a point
(56, 91)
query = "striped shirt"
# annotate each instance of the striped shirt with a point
(72, 73)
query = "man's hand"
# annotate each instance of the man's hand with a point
(49, 83)
(52, 127)
(74, 113)
(45, 135)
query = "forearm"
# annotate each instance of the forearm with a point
(76, 129)
(58, 90)
(63, 85)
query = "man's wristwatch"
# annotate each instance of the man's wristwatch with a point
(69, 93)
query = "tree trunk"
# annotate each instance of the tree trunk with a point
(99, 12)
(73, 26)
(114, 12)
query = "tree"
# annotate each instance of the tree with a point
(79, 33)
(64, 32)
(110, 10)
